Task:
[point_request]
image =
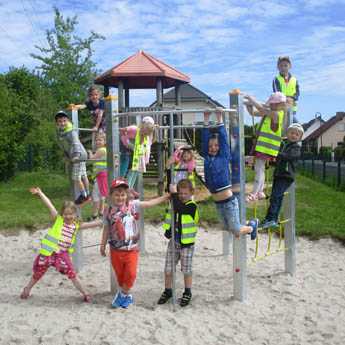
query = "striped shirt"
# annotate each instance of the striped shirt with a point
(67, 233)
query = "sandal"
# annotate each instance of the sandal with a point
(251, 197)
(164, 297)
(261, 196)
(87, 298)
(185, 299)
(25, 294)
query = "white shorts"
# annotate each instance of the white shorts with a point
(96, 195)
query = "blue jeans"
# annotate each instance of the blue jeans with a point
(230, 214)
(280, 186)
(124, 163)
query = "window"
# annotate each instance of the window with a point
(341, 127)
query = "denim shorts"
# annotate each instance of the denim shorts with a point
(230, 214)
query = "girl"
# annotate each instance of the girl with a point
(184, 162)
(57, 244)
(100, 187)
(217, 158)
(268, 137)
(140, 140)
(122, 232)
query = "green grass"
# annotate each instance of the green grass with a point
(319, 209)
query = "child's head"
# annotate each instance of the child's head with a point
(284, 64)
(61, 119)
(186, 154)
(100, 139)
(93, 94)
(295, 132)
(185, 190)
(119, 192)
(213, 145)
(147, 125)
(69, 212)
(277, 101)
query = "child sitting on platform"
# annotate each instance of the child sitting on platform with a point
(217, 158)
(58, 244)
(268, 139)
(284, 173)
(185, 225)
(74, 151)
(121, 231)
(100, 186)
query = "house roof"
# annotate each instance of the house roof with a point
(328, 124)
(141, 71)
(189, 93)
(311, 122)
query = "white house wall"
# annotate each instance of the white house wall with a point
(333, 135)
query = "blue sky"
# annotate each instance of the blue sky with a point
(221, 45)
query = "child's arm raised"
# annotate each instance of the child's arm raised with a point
(155, 201)
(205, 134)
(46, 201)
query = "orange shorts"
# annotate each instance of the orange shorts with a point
(125, 266)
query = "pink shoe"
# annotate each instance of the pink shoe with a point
(261, 196)
(251, 197)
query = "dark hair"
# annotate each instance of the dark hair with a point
(92, 89)
(185, 183)
(283, 58)
(60, 114)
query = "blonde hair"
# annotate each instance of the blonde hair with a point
(101, 135)
(92, 89)
(185, 183)
(69, 204)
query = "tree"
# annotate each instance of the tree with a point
(66, 66)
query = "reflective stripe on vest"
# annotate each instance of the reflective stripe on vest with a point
(268, 141)
(49, 243)
(101, 166)
(140, 149)
(289, 88)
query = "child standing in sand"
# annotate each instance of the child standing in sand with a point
(121, 231)
(58, 244)
(217, 159)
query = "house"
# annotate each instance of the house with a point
(191, 98)
(330, 134)
(312, 126)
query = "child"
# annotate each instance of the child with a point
(74, 151)
(186, 220)
(57, 244)
(284, 173)
(100, 187)
(122, 232)
(140, 139)
(216, 153)
(184, 162)
(268, 137)
(287, 84)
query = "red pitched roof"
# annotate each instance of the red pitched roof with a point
(141, 71)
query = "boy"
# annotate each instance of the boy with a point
(284, 173)
(186, 220)
(287, 84)
(74, 151)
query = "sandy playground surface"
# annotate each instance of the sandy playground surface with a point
(307, 309)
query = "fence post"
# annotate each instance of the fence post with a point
(312, 167)
(324, 171)
(339, 173)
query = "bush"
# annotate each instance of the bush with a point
(339, 153)
(325, 153)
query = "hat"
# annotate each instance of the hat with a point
(283, 58)
(148, 120)
(298, 127)
(276, 97)
(60, 114)
(118, 182)
(186, 148)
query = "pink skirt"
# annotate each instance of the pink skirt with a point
(102, 181)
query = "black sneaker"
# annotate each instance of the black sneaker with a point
(164, 297)
(185, 299)
(81, 198)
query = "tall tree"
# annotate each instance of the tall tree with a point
(67, 66)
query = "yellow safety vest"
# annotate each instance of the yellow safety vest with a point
(49, 243)
(189, 225)
(288, 89)
(268, 141)
(190, 176)
(101, 165)
(140, 149)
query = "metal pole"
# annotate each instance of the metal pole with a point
(77, 256)
(339, 172)
(172, 213)
(113, 158)
(238, 173)
(290, 228)
(160, 148)
(120, 100)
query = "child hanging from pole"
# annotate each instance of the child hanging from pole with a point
(268, 139)
(100, 186)
(58, 244)
(185, 224)
(217, 159)
(287, 84)
(140, 139)
(284, 173)
(121, 231)
(74, 151)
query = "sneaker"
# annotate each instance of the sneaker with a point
(254, 223)
(117, 300)
(127, 300)
(79, 200)
(185, 299)
(269, 224)
(164, 297)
